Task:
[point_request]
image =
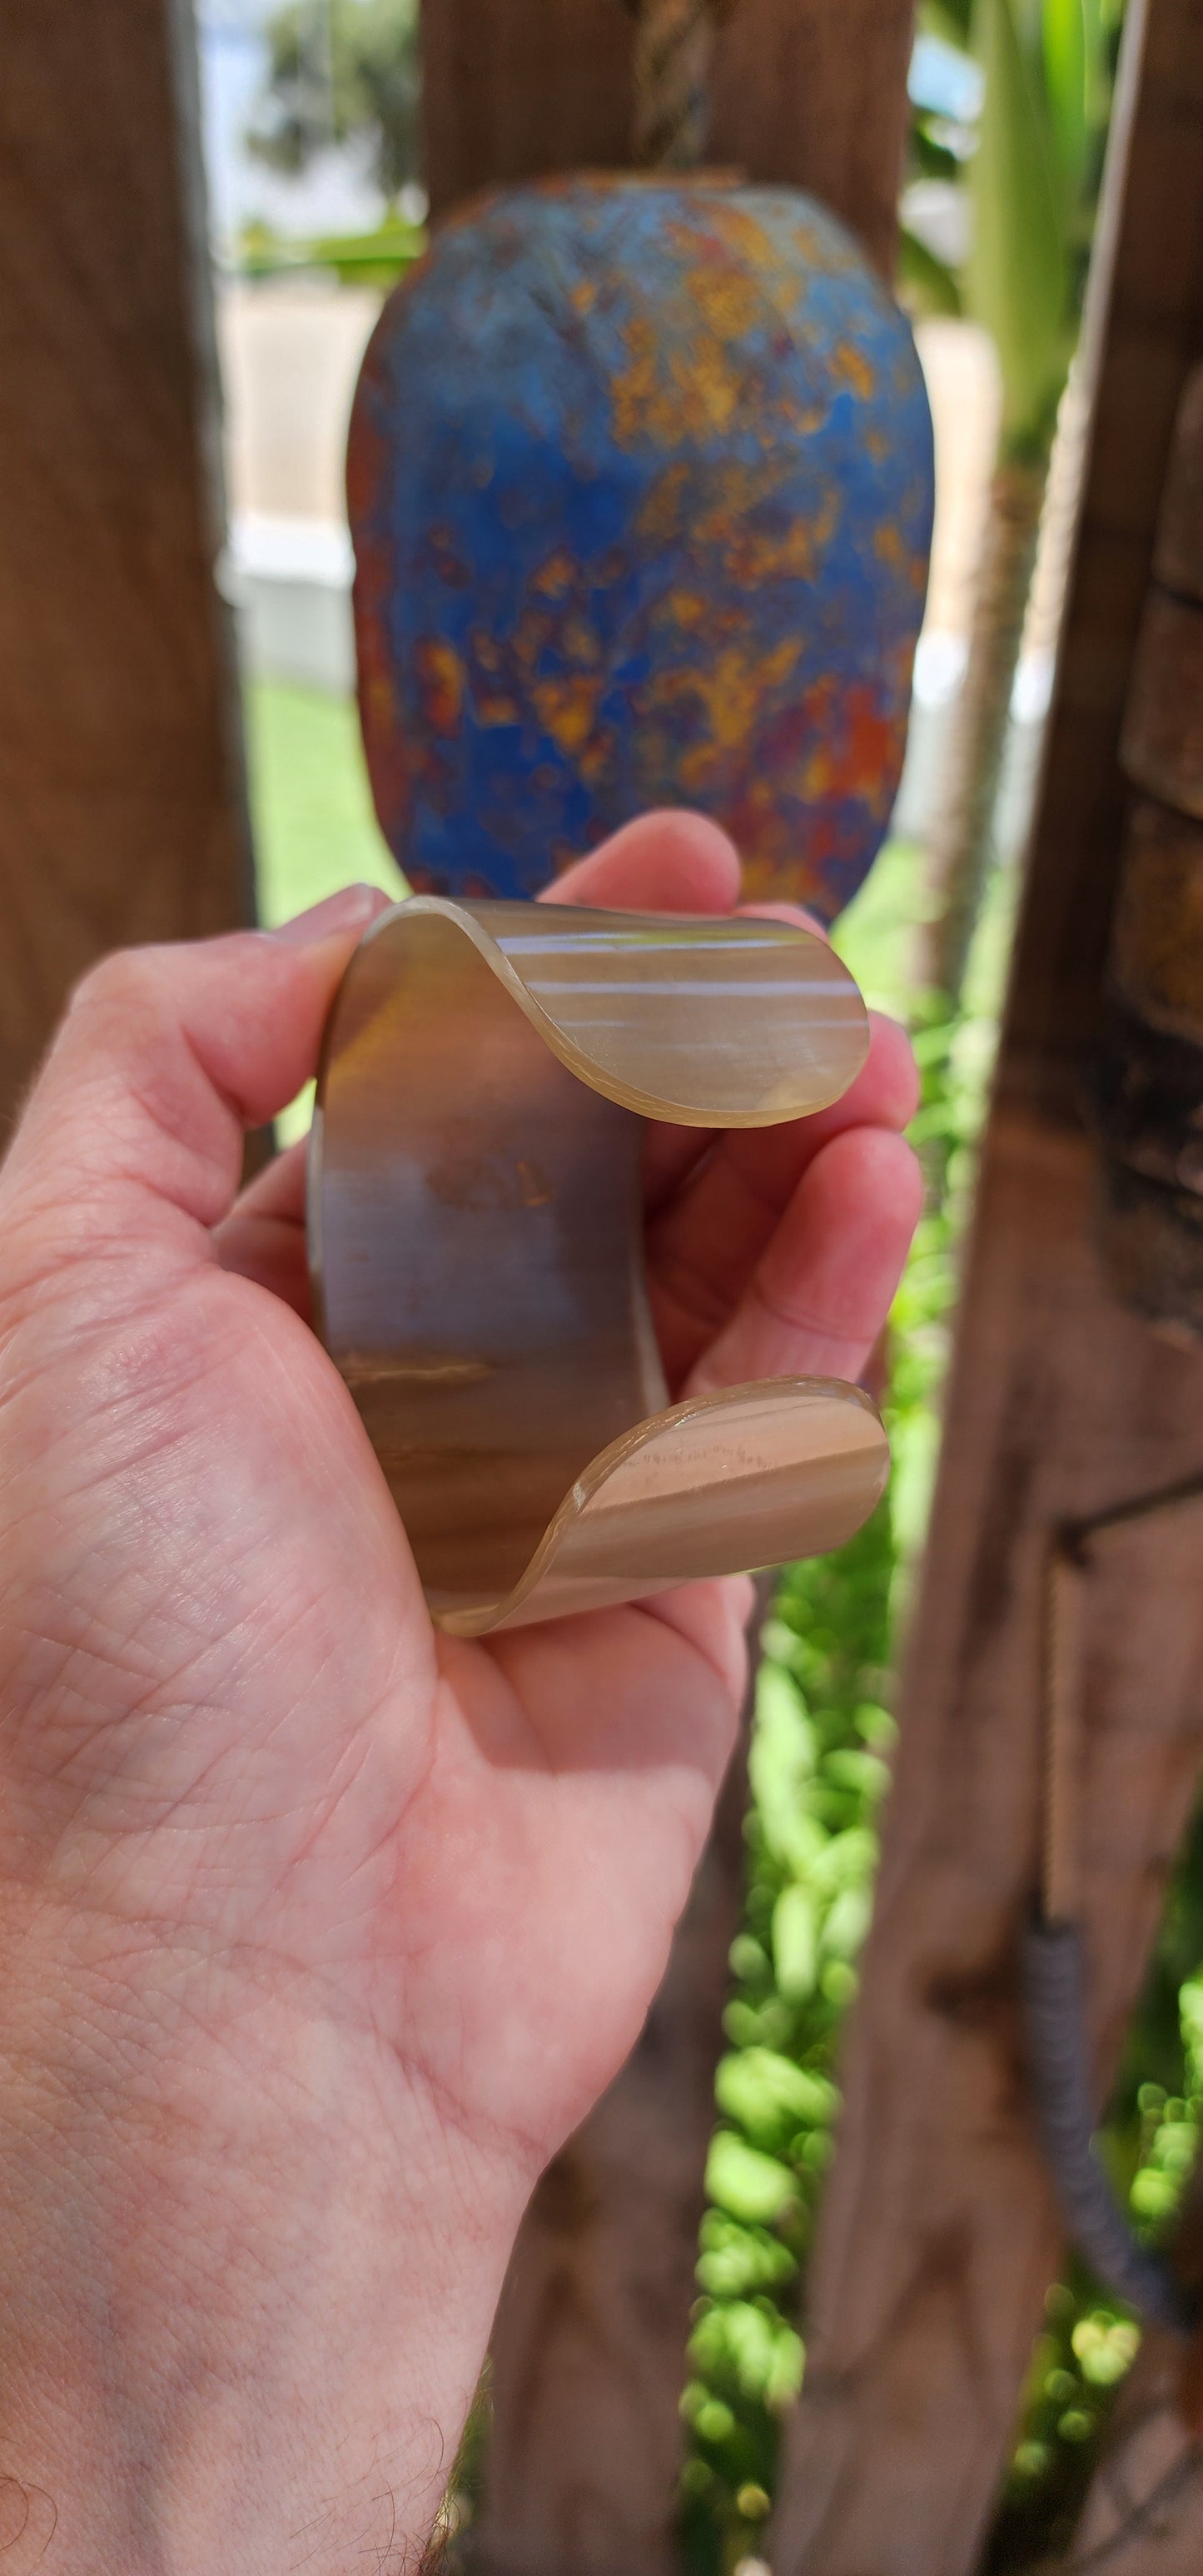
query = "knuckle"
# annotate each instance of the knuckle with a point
(129, 985)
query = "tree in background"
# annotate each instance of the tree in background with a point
(1032, 171)
(342, 71)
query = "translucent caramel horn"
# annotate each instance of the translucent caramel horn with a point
(476, 1241)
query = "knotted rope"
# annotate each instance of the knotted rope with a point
(674, 41)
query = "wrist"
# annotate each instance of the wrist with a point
(245, 2279)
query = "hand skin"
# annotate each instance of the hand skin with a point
(320, 1932)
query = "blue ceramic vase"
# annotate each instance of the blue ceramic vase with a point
(640, 481)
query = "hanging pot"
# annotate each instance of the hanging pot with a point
(640, 485)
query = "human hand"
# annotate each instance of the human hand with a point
(321, 1932)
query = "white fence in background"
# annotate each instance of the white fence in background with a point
(290, 583)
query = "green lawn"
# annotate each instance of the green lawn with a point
(314, 825)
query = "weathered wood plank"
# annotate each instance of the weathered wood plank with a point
(1147, 1079)
(1178, 563)
(815, 97)
(122, 813)
(1163, 727)
(939, 2236)
(1157, 944)
(803, 94)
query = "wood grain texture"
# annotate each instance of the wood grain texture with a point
(1157, 941)
(122, 816)
(1162, 747)
(938, 2237)
(815, 96)
(1178, 563)
(513, 91)
(804, 94)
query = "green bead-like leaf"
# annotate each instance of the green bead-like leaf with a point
(795, 1943)
(751, 2185)
(769, 2095)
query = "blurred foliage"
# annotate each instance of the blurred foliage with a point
(1010, 104)
(375, 258)
(1025, 145)
(342, 71)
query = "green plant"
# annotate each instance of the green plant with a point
(1031, 175)
(342, 71)
(375, 258)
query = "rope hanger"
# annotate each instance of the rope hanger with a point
(674, 43)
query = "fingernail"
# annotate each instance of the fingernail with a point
(352, 908)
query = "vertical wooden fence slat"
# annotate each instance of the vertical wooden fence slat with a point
(939, 2237)
(514, 91)
(814, 96)
(589, 2350)
(804, 93)
(122, 814)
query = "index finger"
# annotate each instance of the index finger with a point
(670, 861)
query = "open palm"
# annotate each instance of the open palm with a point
(409, 1895)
